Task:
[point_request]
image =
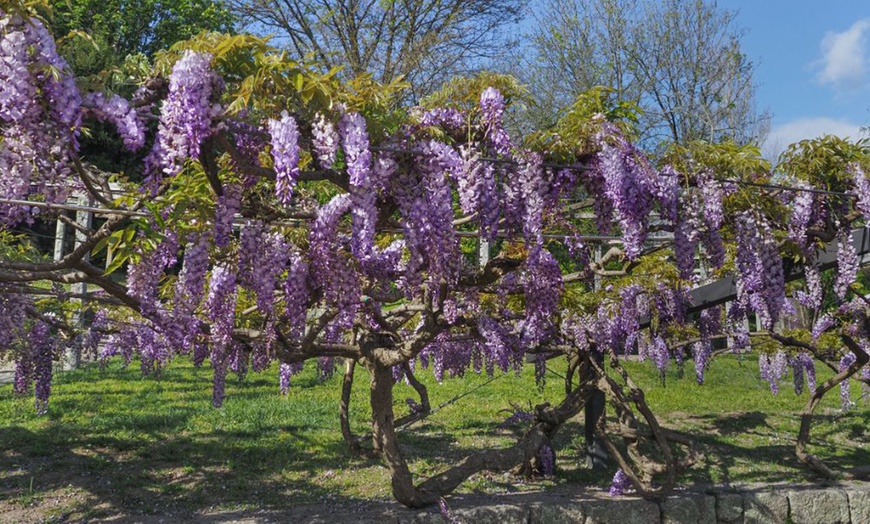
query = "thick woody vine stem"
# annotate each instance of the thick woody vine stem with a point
(419, 387)
(622, 403)
(344, 407)
(547, 420)
(816, 464)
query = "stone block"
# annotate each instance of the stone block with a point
(689, 508)
(819, 506)
(621, 510)
(556, 514)
(765, 507)
(859, 505)
(729, 508)
(425, 518)
(494, 514)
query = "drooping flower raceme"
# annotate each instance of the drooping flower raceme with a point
(542, 284)
(712, 194)
(534, 188)
(228, 204)
(118, 111)
(296, 294)
(262, 257)
(862, 188)
(190, 288)
(687, 233)
(330, 266)
(773, 368)
(220, 310)
(285, 153)
(812, 297)
(845, 394)
(355, 143)
(708, 325)
(847, 264)
(492, 107)
(34, 365)
(801, 218)
(760, 277)
(40, 117)
(631, 186)
(13, 311)
(325, 141)
(425, 201)
(186, 116)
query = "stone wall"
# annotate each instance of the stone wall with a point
(780, 503)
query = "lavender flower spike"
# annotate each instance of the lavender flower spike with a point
(285, 152)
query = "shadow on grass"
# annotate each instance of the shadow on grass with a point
(162, 448)
(172, 474)
(744, 454)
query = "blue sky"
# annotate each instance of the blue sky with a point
(812, 61)
(812, 65)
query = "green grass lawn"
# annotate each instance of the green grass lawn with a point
(114, 441)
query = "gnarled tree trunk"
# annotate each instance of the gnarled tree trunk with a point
(861, 359)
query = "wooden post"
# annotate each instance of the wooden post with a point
(59, 234)
(483, 252)
(84, 219)
(594, 410)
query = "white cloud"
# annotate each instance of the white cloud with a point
(844, 61)
(799, 129)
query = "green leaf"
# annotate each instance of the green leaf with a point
(116, 264)
(101, 245)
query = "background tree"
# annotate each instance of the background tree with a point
(127, 27)
(680, 62)
(424, 41)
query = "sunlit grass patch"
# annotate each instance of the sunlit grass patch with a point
(122, 442)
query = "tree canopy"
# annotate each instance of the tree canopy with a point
(425, 42)
(118, 28)
(282, 213)
(680, 62)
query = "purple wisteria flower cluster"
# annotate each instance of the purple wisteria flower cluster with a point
(40, 116)
(620, 484)
(708, 325)
(285, 154)
(632, 188)
(803, 370)
(13, 311)
(760, 275)
(187, 116)
(329, 266)
(228, 204)
(445, 117)
(492, 108)
(476, 185)
(221, 309)
(847, 264)
(262, 257)
(117, 110)
(773, 368)
(862, 188)
(324, 141)
(355, 144)
(845, 391)
(190, 288)
(34, 366)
